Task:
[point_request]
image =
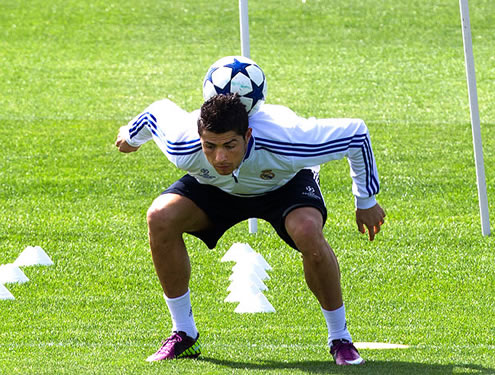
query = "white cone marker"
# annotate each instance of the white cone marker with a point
(242, 294)
(244, 271)
(4, 293)
(247, 279)
(254, 259)
(237, 251)
(10, 273)
(254, 304)
(33, 256)
(240, 283)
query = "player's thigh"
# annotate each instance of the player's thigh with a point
(176, 212)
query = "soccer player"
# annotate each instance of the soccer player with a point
(241, 167)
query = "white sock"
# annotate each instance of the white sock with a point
(182, 316)
(337, 325)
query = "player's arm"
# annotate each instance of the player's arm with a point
(172, 128)
(121, 142)
(337, 138)
(136, 132)
(369, 214)
(323, 140)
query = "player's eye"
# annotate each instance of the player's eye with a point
(231, 145)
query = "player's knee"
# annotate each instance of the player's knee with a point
(155, 217)
(305, 229)
(160, 215)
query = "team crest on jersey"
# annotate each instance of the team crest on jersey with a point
(267, 174)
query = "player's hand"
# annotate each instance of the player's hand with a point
(370, 218)
(122, 144)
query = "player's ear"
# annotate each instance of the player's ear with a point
(249, 132)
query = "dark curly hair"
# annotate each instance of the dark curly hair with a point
(223, 113)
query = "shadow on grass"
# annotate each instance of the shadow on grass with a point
(370, 367)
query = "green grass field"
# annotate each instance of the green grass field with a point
(73, 72)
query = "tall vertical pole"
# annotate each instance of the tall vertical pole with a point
(245, 51)
(475, 117)
(244, 25)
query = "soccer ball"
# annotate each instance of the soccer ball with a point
(236, 74)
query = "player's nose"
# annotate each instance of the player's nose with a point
(221, 156)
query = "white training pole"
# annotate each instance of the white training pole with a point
(244, 25)
(475, 117)
(245, 51)
(253, 225)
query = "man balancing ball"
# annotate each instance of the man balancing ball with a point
(247, 159)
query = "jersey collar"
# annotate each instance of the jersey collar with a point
(235, 173)
(249, 148)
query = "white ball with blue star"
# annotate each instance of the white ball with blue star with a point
(237, 74)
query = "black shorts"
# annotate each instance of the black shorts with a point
(225, 210)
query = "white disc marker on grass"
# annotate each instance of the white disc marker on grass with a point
(379, 345)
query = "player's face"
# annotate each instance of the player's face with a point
(225, 151)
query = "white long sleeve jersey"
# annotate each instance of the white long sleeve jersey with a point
(282, 144)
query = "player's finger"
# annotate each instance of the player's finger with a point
(371, 233)
(360, 226)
